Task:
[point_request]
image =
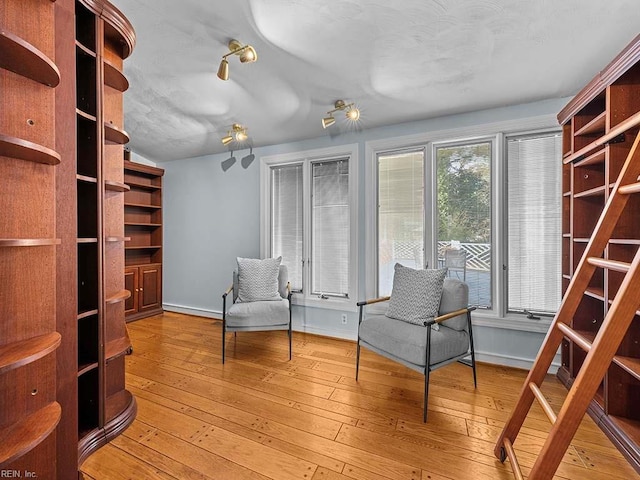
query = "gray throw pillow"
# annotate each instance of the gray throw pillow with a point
(416, 294)
(258, 279)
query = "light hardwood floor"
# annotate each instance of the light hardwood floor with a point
(261, 416)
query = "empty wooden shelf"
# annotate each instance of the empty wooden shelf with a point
(24, 59)
(25, 150)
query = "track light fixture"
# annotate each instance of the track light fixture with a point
(351, 112)
(246, 53)
(237, 133)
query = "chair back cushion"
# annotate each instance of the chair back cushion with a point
(258, 279)
(283, 280)
(455, 295)
(415, 297)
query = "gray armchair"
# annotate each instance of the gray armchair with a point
(260, 315)
(419, 346)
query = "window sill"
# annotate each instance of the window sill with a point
(511, 322)
(331, 303)
(482, 318)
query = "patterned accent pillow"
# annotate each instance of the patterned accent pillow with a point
(258, 279)
(416, 294)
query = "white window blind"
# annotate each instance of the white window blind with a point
(287, 219)
(330, 227)
(534, 222)
(400, 214)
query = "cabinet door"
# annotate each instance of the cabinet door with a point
(150, 287)
(131, 279)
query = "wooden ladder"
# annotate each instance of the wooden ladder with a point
(600, 353)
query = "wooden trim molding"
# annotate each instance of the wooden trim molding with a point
(120, 27)
(619, 65)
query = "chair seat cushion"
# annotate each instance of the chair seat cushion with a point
(255, 315)
(407, 341)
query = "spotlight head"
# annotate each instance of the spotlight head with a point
(241, 136)
(223, 70)
(248, 55)
(353, 114)
(227, 140)
(328, 121)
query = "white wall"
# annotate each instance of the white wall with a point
(212, 215)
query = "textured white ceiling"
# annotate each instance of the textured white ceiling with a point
(398, 60)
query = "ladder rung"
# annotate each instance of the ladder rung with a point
(511, 454)
(578, 339)
(631, 188)
(609, 264)
(551, 415)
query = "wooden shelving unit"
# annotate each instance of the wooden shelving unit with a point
(599, 126)
(29, 239)
(143, 252)
(101, 35)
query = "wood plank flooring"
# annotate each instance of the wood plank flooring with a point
(261, 416)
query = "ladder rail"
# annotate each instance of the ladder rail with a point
(578, 284)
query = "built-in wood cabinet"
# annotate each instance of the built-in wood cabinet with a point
(599, 127)
(143, 251)
(29, 342)
(145, 285)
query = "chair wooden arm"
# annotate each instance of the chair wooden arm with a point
(374, 300)
(229, 290)
(450, 315)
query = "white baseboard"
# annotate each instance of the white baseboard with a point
(198, 312)
(516, 362)
(486, 357)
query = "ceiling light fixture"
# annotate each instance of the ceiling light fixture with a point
(246, 53)
(237, 133)
(351, 112)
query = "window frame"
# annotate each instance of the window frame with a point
(307, 158)
(492, 140)
(505, 219)
(497, 317)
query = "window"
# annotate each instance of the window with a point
(400, 214)
(330, 228)
(309, 217)
(483, 201)
(534, 223)
(463, 189)
(286, 219)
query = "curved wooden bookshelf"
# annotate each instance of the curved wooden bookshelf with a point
(28, 242)
(21, 437)
(113, 134)
(18, 354)
(26, 60)
(114, 186)
(114, 78)
(25, 150)
(121, 409)
(117, 348)
(117, 28)
(121, 296)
